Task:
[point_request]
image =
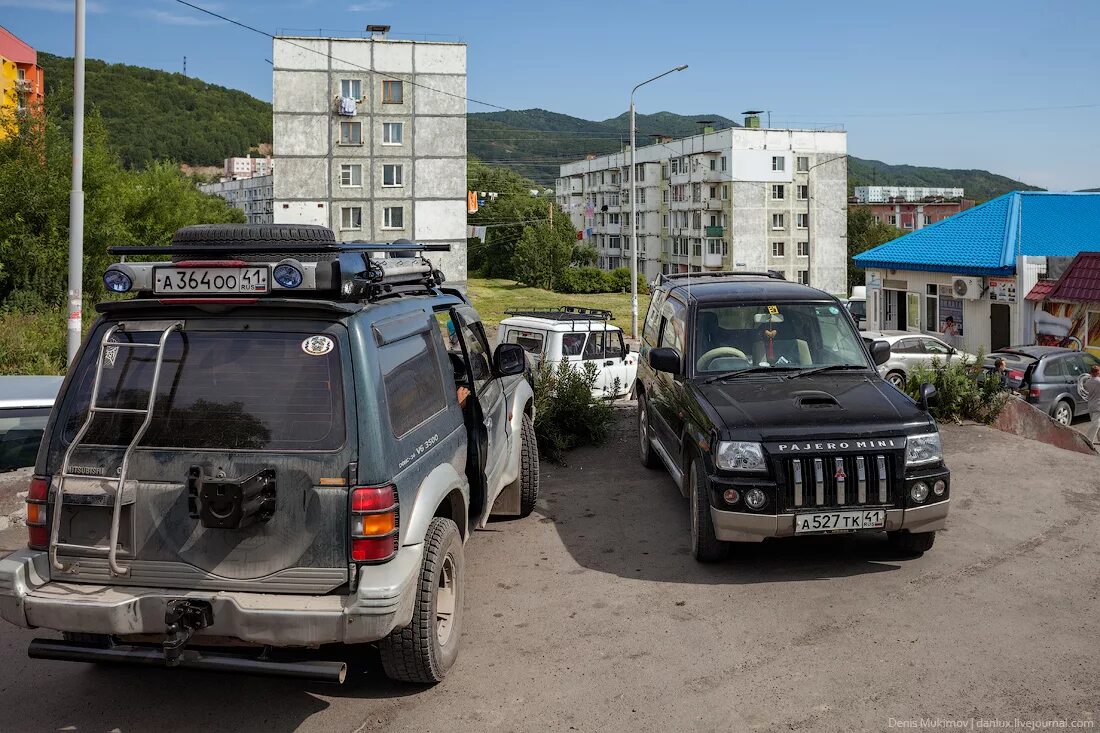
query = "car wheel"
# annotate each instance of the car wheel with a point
(528, 467)
(911, 543)
(648, 456)
(705, 547)
(897, 379)
(425, 650)
(1062, 412)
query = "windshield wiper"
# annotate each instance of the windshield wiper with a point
(749, 370)
(829, 368)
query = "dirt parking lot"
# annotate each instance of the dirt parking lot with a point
(592, 616)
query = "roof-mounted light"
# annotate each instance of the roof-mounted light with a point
(288, 273)
(118, 278)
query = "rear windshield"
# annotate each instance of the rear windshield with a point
(218, 391)
(531, 341)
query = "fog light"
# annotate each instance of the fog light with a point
(730, 496)
(287, 276)
(939, 487)
(919, 492)
(117, 281)
(755, 499)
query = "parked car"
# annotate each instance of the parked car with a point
(275, 444)
(577, 335)
(1049, 377)
(760, 399)
(25, 403)
(908, 349)
(856, 304)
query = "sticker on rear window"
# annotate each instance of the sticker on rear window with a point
(317, 345)
(773, 310)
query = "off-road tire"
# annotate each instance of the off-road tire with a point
(705, 547)
(414, 654)
(279, 240)
(528, 467)
(911, 543)
(646, 454)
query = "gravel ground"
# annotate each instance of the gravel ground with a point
(591, 615)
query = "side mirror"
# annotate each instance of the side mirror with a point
(927, 395)
(880, 352)
(509, 360)
(665, 360)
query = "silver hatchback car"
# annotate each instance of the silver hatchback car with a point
(908, 349)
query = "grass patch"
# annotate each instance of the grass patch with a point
(493, 297)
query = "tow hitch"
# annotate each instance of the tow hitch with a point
(183, 618)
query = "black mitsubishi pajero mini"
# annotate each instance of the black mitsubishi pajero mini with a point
(763, 402)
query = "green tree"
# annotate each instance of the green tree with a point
(541, 256)
(864, 233)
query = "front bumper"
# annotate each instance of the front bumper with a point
(748, 527)
(382, 602)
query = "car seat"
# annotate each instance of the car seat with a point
(796, 351)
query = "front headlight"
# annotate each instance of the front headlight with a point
(739, 455)
(922, 449)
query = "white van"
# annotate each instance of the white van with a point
(577, 335)
(857, 306)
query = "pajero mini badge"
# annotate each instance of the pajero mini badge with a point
(317, 345)
(840, 445)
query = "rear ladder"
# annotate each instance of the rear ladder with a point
(111, 551)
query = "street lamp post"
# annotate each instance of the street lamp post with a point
(634, 211)
(76, 195)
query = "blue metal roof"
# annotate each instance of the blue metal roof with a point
(986, 239)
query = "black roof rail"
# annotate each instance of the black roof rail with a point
(563, 313)
(200, 248)
(675, 276)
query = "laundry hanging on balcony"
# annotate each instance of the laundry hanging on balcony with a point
(347, 106)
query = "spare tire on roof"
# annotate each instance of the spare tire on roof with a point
(278, 240)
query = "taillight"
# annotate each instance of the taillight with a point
(1034, 392)
(1015, 374)
(374, 535)
(38, 536)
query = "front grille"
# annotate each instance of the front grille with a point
(817, 482)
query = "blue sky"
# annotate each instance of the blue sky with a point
(922, 83)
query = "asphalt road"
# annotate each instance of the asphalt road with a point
(592, 616)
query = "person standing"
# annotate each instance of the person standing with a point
(1092, 394)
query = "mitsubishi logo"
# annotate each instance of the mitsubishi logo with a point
(840, 475)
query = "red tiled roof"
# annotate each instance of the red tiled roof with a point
(1041, 290)
(1080, 281)
(16, 50)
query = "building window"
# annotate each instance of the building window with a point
(697, 247)
(351, 175)
(803, 192)
(803, 164)
(664, 195)
(893, 220)
(803, 249)
(908, 224)
(713, 164)
(931, 307)
(778, 193)
(392, 132)
(714, 192)
(641, 196)
(351, 133)
(351, 217)
(393, 92)
(803, 277)
(392, 175)
(723, 159)
(351, 88)
(393, 217)
(779, 163)
(778, 221)
(664, 221)
(802, 221)
(613, 219)
(725, 192)
(779, 249)
(614, 241)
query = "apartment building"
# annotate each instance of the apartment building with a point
(247, 167)
(370, 139)
(735, 199)
(916, 215)
(886, 194)
(253, 195)
(22, 81)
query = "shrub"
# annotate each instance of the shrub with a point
(584, 280)
(567, 415)
(32, 343)
(959, 393)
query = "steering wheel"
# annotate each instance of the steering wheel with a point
(722, 351)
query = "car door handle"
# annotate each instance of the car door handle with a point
(609, 363)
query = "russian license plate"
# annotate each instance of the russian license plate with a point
(209, 280)
(839, 521)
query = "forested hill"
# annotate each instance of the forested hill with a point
(156, 115)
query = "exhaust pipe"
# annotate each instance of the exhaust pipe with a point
(76, 651)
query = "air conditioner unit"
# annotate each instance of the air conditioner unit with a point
(967, 288)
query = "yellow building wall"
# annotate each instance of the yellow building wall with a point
(9, 99)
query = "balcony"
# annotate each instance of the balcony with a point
(712, 260)
(711, 203)
(24, 85)
(714, 231)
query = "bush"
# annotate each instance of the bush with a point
(959, 393)
(585, 280)
(32, 343)
(567, 415)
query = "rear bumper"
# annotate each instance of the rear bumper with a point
(746, 527)
(382, 602)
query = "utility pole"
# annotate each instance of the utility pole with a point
(185, 66)
(76, 194)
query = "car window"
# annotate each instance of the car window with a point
(653, 319)
(218, 390)
(480, 362)
(1077, 365)
(616, 347)
(1054, 368)
(673, 314)
(935, 347)
(20, 434)
(594, 348)
(531, 341)
(858, 308)
(410, 375)
(906, 346)
(572, 344)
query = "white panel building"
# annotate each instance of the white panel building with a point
(252, 195)
(886, 194)
(735, 199)
(370, 140)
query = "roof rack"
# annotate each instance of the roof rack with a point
(563, 313)
(675, 276)
(349, 274)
